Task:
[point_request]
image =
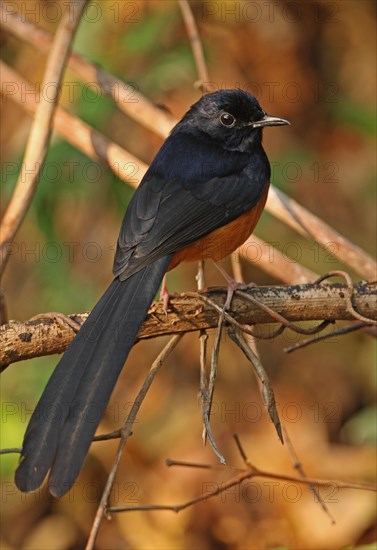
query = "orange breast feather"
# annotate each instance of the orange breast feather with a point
(224, 240)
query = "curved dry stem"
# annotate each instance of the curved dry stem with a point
(125, 434)
(196, 43)
(39, 137)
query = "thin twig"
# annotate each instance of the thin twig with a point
(283, 477)
(126, 432)
(115, 434)
(238, 276)
(221, 311)
(249, 473)
(170, 462)
(16, 450)
(331, 334)
(204, 385)
(203, 339)
(208, 432)
(299, 468)
(207, 387)
(235, 260)
(275, 316)
(242, 450)
(39, 137)
(349, 294)
(214, 364)
(268, 395)
(196, 43)
(206, 392)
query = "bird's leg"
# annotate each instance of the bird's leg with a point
(232, 286)
(164, 295)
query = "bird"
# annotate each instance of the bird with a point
(200, 198)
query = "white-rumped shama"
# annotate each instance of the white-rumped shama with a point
(200, 198)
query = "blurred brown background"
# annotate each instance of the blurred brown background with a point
(311, 62)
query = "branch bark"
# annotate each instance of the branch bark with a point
(49, 334)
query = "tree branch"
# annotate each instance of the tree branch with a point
(274, 262)
(126, 96)
(313, 228)
(249, 473)
(39, 137)
(196, 44)
(50, 333)
(84, 137)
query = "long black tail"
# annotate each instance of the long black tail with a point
(62, 426)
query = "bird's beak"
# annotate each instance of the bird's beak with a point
(269, 121)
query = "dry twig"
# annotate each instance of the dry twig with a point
(39, 137)
(299, 468)
(268, 395)
(125, 434)
(206, 386)
(327, 335)
(196, 43)
(249, 472)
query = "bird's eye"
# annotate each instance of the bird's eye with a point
(227, 120)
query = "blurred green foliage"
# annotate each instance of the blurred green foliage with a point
(151, 36)
(359, 116)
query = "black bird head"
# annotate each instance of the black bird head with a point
(232, 118)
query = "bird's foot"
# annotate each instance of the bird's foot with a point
(164, 296)
(232, 286)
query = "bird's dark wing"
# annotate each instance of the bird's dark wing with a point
(165, 216)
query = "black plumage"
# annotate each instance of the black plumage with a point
(210, 170)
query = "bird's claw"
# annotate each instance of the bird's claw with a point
(232, 287)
